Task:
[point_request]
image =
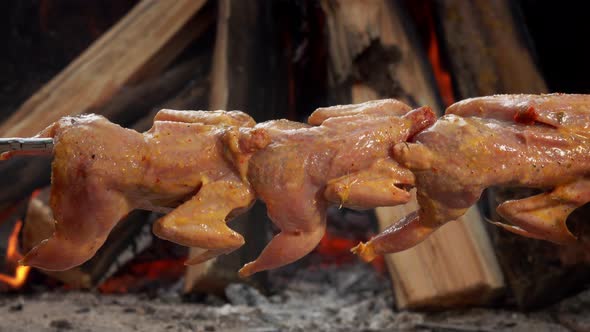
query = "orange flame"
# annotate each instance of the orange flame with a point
(443, 78)
(13, 256)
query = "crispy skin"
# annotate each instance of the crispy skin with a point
(506, 140)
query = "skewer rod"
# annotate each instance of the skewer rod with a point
(26, 144)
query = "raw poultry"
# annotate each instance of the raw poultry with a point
(535, 141)
(203, 168)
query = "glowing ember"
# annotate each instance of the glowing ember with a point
(141, 273)
(336, 250)
(12, 257)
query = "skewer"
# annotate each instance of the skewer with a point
(8, 146)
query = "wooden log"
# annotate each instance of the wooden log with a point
(194, 95)
(22, 175)
(488, 54)
(129, 238)
(247, 74)
(138, 102)
(123, 101)
(456, 265)
(487, 48)
(122, 55)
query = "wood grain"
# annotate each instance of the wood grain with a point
(456, 265)
(122, 55)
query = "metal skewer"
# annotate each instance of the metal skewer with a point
(34, 145)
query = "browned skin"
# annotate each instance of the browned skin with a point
(206, 167)
(506, 140)
(102, 171)
(343, 159)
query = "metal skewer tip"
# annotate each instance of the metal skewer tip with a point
(32, 145)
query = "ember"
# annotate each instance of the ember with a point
(334, 249)
(141, 274)
(13, 255)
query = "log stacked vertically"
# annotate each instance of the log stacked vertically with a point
(488, 53)
(388, 61)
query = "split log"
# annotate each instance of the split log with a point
(129, 238)
(126, 53)
(489, 54)
(194, 95)
(22, 175)
(247, 75)
(106, 79)
(456, 265)
(487, 48)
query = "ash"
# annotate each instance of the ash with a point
(351, 297)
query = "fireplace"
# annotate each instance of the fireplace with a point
(128, 59)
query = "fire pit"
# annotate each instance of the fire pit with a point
(126, 60)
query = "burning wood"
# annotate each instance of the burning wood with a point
(13, 256)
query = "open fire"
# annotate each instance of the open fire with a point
(13, 255)
(180, 64)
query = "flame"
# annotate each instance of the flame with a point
(13, 256)
(441, 75)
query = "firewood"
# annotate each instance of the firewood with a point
(124, 54)
(488, 54)
(487, 48)
(22, 175)
(129, 238)
(246, 75)
(456, 265)
(117, 90)
(193, 95)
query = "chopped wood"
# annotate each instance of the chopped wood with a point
(488, 54)
(192, 95)
(22, 175)
(78, 88)
(124, 54)
(487, 48)
(456, 265)
(136, 103)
